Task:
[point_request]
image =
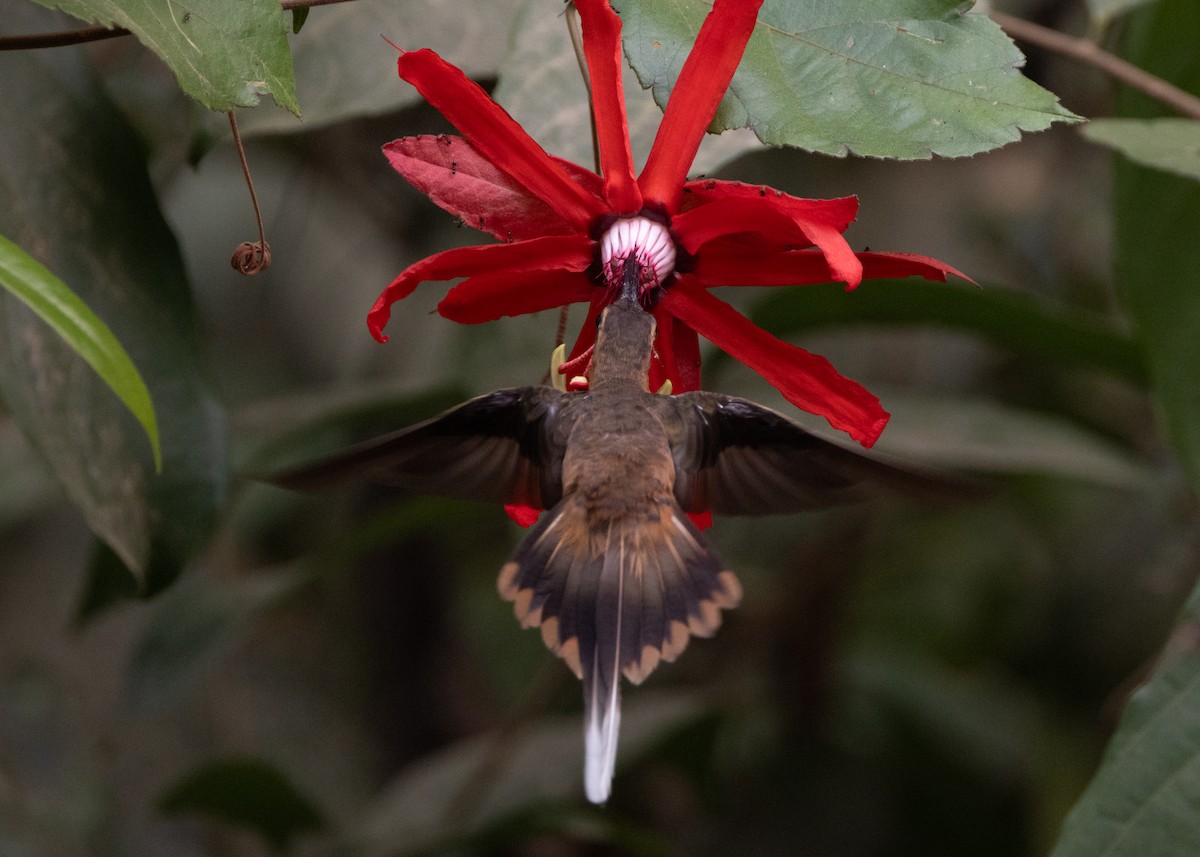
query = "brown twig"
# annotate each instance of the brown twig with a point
(59, 39)
(250, 257)
(1089, 52)
(99, 31)
(576, 34)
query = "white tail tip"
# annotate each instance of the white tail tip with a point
(601, 727)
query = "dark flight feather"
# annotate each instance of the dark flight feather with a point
(504, 447)
(733, 457)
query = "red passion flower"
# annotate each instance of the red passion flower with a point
(566, 231)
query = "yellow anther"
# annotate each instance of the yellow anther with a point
(557, 379)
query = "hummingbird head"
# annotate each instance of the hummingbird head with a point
(625, 340)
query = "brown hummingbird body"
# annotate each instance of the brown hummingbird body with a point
(614, 573)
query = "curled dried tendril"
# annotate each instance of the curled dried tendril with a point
(251, 257)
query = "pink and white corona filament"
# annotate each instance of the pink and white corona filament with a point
(646, 240)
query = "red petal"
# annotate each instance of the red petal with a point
(806, 380)
(701, 84)
(836, 213)
(844, 265)
(702, 520)
(888, 265)
(678, 348)
(487, 297)
(687, 357)
(555, 252)
(823, 221)
(602, 47)
(497, 136)
(820, 222)
(697, 226)
(587, 333)
(452, 173)
(730, 263)
(525, 516)
(586, 179)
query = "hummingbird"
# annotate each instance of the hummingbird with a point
(615, 574)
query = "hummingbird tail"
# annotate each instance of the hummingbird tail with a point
(615, 598)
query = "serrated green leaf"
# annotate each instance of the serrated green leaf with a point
(542, 87)
(247, 793)
(75, 191)
(1165, 144)
(225, 53)
(1143, 799)
(914, 79)
(58, 306)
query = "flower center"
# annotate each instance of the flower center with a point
(647, 241)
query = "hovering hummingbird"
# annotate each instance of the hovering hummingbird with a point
(614, 572)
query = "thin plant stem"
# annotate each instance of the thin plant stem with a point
(250, 257)
(576, 34)
(1089, 52)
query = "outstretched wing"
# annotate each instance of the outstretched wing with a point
(504, 447)
(734, 457)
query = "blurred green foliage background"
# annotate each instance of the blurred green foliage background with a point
(336, 675)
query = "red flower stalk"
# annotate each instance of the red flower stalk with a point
(567, 231)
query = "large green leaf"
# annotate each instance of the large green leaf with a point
(1144, 798)
(916, 78)
(983, 436)
(1157, 218)
(1017, 322)
(225, 53)
(1165, 144)
(74, 192)
(57, 305)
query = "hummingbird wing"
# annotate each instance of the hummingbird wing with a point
(503, 447)
(734, 457)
